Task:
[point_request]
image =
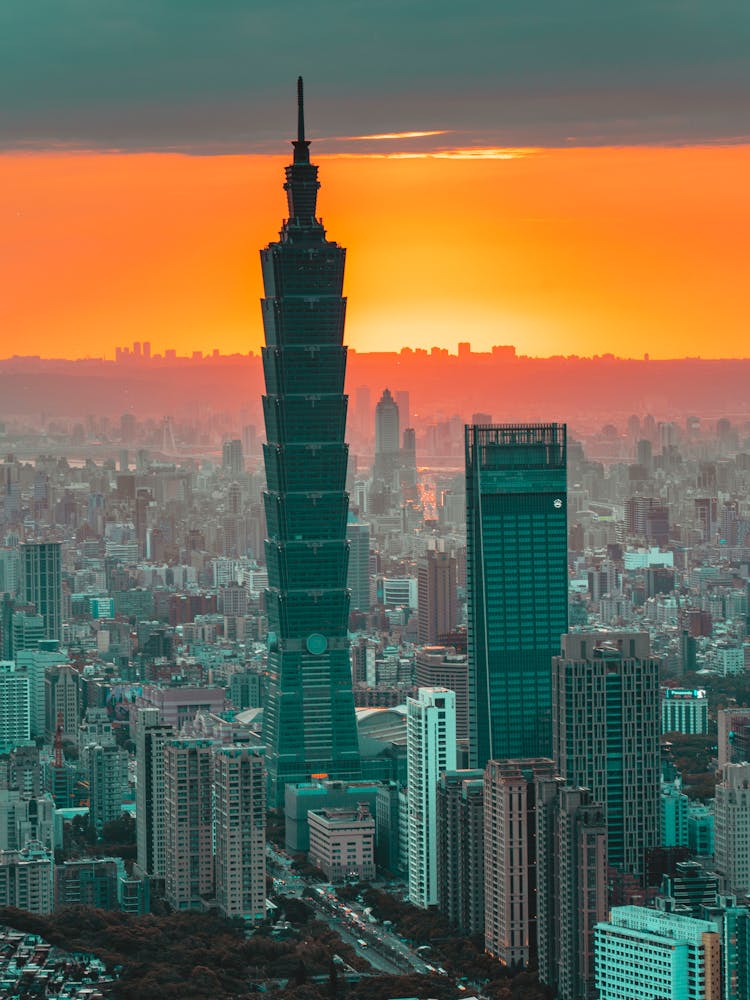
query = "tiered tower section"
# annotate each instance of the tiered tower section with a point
(309, 720)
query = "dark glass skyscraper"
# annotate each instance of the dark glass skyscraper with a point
(42, 584)
(517, 580)
(309, 720)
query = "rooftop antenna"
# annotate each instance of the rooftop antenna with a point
(300, 111)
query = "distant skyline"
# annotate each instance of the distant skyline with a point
(568, 179)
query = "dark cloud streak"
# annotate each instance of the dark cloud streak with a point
(206, 75)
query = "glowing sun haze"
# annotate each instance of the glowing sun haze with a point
(558, 251)
(565, 177)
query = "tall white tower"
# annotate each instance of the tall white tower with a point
(430, 752)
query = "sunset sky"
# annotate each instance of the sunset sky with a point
(578, 183)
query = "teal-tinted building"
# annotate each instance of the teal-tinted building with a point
(517, 582)
(309, 721)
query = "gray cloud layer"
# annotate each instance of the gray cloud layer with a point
(208, 75)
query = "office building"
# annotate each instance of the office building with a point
(308, 723)
(657, 955)
(732, 828)
(188, 828)
(35, 663)
(674, 815)
(24, 819)
(95, 729)
(106, 770)
(239, 790)
(460, 849)
(700, 826)
(21, 771)
(442, 666)
(510, 857)
(388, 828)
(430, 752)
(437, 600)
(15, 727)
(691, 887)
(342, 843)
(61, 696)
(387, 440)
(322, 794)
(517, 583)
(733, 924)
(42, 584)
(358, 572)
(26, 631)
(151, 736)
(571, 885)
(233, 458)
(606, 735)
(179, 705)
(684, 711)
(89, 882)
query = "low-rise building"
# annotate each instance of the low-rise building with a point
(342, 842)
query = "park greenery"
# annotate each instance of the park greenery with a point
(192, 956)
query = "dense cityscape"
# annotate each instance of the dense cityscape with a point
(326, 694)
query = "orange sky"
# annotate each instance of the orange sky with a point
(578, 251)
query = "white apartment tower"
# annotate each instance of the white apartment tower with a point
(430, 752)
(27, 878)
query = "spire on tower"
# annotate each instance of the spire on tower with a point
(301, 146)
(300, 111)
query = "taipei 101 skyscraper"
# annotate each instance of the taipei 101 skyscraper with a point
(309, 721)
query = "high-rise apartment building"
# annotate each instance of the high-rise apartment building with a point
(437, 597)
(309, 721)
(151, 735)
(42, 583)
(510, 857)
(27, 878)
(517, 583)
(240, 831)
(14, 707)
(460, 849)
(571, 886)
(430, 752)
(605, 702)
(732, 828)
(188, 826)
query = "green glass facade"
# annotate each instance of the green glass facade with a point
(309, 719)
(517, 580)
